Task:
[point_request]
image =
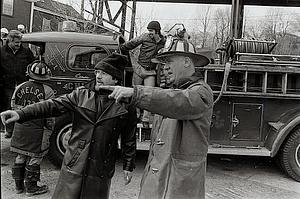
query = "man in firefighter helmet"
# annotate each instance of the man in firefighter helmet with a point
(176, 165)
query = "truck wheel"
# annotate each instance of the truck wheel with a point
(290, 155)
(59, 141)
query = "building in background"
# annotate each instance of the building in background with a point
(14, 12)
(48, 15)
(38, 15)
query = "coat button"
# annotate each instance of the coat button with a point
(92, 141)
(105, 161)
(114, 128)
(154, 170)
(102, 176)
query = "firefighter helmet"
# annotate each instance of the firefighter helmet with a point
(38, 70)
(181, 46)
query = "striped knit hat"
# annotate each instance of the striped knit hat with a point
(38, 71)
(182, 47)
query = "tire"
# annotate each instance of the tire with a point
(59, 140)
(289, 156)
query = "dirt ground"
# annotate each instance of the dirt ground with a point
(228, 177)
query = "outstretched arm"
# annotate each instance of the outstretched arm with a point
(44, 109)
(133, 43)
(184, 104)
(9, 116)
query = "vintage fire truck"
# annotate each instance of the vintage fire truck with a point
(257, 93)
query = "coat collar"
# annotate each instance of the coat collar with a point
(8, 48)
(112, 110)
(186, 82)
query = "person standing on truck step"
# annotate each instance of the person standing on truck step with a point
(30, 140)
(176, 164)
(144, 71)
(14, 60)
(97, 123)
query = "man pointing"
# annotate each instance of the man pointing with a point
(176, 164)
(97, 123)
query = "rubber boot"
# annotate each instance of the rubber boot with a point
(18, 171)
(32, 175)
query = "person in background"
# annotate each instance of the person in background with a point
(30, 140)
(4, 33)
(97, 123)
(176, 164)
(21, 28)
(14, 60)
(144, 72)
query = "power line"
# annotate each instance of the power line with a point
(198, 19)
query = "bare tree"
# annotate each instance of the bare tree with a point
(205, 22)
(275, 27)
(222, 26)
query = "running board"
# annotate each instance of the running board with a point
(225, 150)
(229, 150)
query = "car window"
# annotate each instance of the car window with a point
(36, 50)
(85, 57)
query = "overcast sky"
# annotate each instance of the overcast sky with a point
(189, 14)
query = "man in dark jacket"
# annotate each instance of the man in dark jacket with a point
(176, 164)
(144, 71)
(30, 140)
(14, 60)
(89, 161)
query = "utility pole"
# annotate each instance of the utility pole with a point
(82, 8)
(131, 34)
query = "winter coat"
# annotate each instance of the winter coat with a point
(13, 66)
(148, 50)
(176, 165)
(89, 160)
(31, 138)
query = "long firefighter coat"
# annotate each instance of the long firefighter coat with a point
(89, 161)
(176, 165)
(31, 138)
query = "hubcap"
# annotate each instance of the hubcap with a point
(297, 155)
(63, 137)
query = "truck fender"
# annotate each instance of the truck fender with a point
(283, 132)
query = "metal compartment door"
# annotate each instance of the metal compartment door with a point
(246, 121)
